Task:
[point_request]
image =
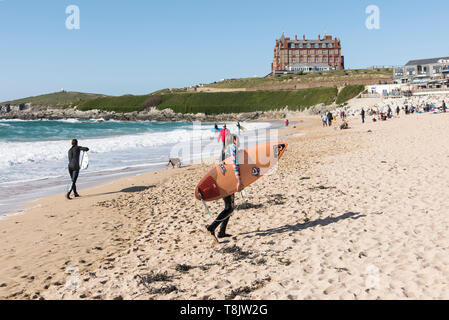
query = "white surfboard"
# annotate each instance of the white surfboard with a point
(84, 163)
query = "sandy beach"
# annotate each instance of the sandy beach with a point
(353, 214)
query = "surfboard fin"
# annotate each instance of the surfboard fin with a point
(243, 193)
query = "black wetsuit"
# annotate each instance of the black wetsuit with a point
(74, 165)
(223, 217)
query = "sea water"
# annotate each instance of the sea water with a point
(34, 154)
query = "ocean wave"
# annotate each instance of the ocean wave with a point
(19, 153)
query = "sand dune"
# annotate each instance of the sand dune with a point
(355, 214)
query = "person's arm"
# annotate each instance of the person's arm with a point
(236, 167)
(84, 149)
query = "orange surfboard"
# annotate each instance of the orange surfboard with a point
(255, 162)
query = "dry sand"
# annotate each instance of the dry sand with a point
(355, 214)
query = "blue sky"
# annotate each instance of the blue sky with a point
(138, 46)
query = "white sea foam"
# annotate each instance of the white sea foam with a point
(19, 153)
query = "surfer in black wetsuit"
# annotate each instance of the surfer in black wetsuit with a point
(74, 166)
(223, 217)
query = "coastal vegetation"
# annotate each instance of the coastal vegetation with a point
(62, 99)
(218, 102)
(349, 92)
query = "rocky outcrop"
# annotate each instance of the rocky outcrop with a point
(28, 112)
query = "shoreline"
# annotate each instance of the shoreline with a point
(345, 208)
(90, 179)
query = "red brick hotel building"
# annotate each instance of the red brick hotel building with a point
(291, 55)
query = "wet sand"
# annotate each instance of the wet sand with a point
(354, 214)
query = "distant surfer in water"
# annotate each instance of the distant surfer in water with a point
(239, 127)
(222, 137)
(223, 217)
(74, 166)
(216, 127)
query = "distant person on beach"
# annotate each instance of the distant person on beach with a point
(74, 166)
(222, 137)
(239, 127)
(363, 115)
(398, 110)
(330, 118)
(216, 127)
(225, 215)
(287, 123)
(444, 106)
(324, 120)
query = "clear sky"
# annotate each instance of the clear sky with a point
(139, 46)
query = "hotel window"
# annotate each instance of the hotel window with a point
(308, 60)
(317, 59)
(301, 59)
(324, 59)
(331, 59)
(336, 59)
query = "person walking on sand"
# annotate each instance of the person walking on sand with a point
(398, 110)
(330, 118)
(222, 137)
(239, 127)
(287, 123)
(363, 115)
(324, 120)
(74, 166)
(444, 106)
(225, 215)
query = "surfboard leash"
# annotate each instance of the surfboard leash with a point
(204, 203)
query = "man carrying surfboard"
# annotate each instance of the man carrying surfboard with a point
(225, 215)
(74, 166)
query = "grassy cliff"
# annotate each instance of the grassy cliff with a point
(349, 92)
(57, 99)
(220, 102)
